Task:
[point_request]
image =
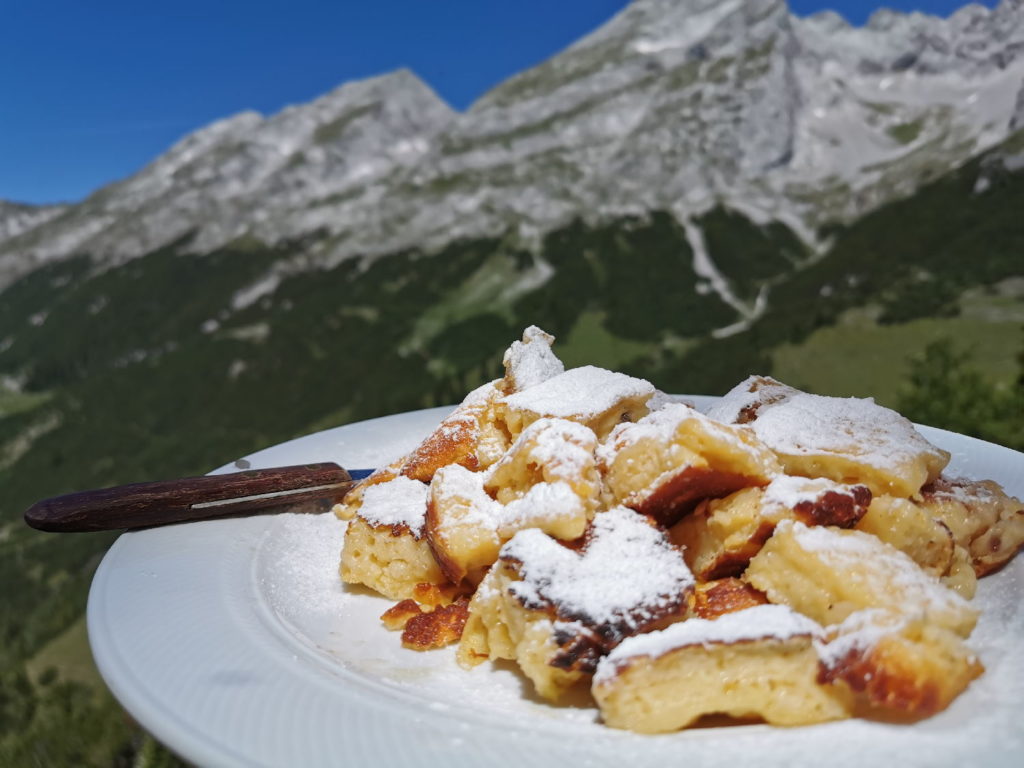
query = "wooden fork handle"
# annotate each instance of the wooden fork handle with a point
(141, 505)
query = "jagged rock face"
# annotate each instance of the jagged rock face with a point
(253, 175)
(16, 218)
(664, 101)
(672, 104)
(905, 97)
(1017, 121)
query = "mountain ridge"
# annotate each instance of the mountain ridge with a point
(681, 104)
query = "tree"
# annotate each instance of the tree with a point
(946, 391)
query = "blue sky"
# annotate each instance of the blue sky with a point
(91, 91)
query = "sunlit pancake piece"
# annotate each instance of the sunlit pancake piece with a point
(346, 509)
(530, 362)
(557, 609)
(597, 398)
(462, 524)
(984, 520)
(472, 436)
(549, 451)
(848, 440)
(759, 662)
(898, 663)
(385, 548)
(722, 535)
(711, 599)
(827, 574)
(960, 576)
(548, 479)
(909, 528)
(741, 404)
(669, 460)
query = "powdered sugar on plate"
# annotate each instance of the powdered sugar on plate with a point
(296, 571)
(300, 573)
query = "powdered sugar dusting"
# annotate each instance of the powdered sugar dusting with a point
(788, 491)
(778, 622)
(478, 509)
(336, 631)
(750, 392)
(860, 633)
(565, 449)
(397, 502)
(813, 424)
(661, 427)
(584, 392)
(626, 572)
(855, 550)
(660, 399)
(544, 502)
(302, 573)
(966, 491)
(530, 362)
(480, 396)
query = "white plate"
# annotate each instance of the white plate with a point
(234, 643)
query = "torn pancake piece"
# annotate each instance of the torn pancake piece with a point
(385, 548)
(711, 599)
(548, 479)
(722, 535)
(557, 609)
(466, 527)
(898, 663)
(665, 463)
(983, 518)
(758, 662)
(549, 451)
(849, 440)
(827, 574)
(462, 524)
(595, 397)
(530, 362)
(740, 405)
(909, 528)
(471, 436)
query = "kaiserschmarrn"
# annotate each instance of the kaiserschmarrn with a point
(784, 557)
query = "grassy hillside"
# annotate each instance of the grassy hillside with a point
(156, 368)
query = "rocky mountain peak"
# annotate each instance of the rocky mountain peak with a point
(249, 174)
(671, 104)
(826, 22)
